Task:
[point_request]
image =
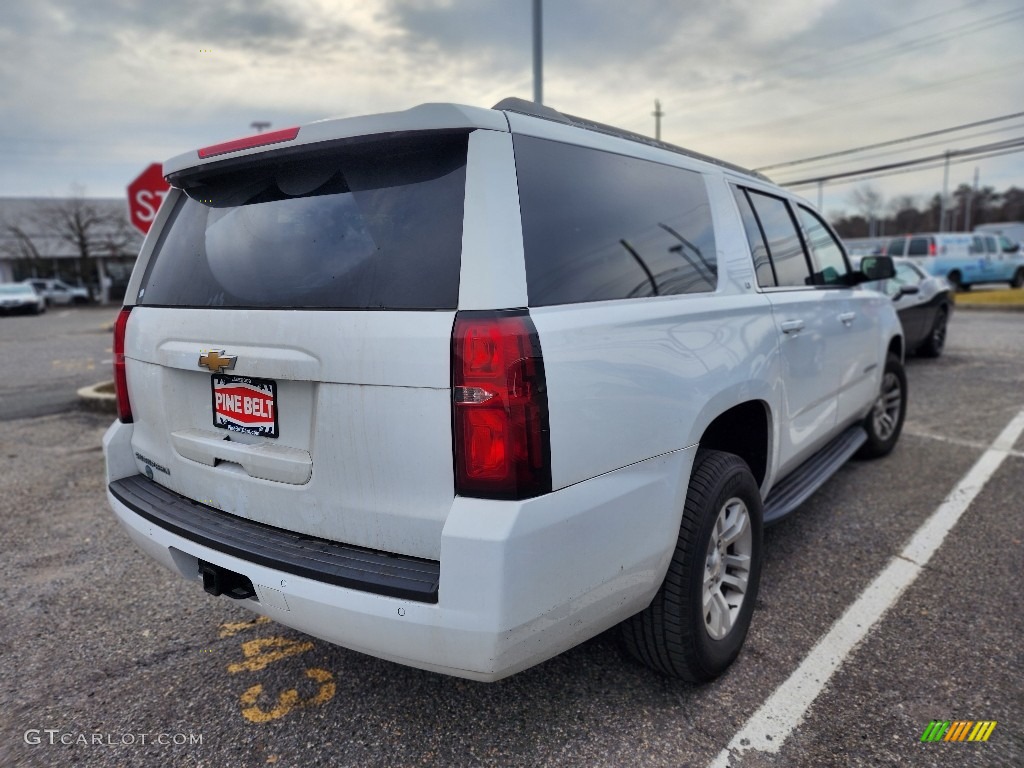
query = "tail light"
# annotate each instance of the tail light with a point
(931, 247)
(500, 409)
(124, 406)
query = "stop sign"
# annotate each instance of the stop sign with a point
(145, 195)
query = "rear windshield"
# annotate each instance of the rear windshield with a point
(365, 225)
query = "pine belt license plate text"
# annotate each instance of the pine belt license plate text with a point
(244, 404)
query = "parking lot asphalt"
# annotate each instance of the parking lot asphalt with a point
(46, 358)
(111, 661)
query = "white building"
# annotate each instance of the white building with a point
(30, 245)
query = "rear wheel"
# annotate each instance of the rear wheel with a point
(1018, 278)
(936, 340)
(885, 421)
(696, 624)
(957, 281)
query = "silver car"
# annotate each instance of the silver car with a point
(19, 297)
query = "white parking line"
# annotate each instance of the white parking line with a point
(770, 726)
(953, 440)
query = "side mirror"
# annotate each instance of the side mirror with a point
(877, 268)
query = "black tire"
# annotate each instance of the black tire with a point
(885, 421)
(957, 281)
(673, 635)
(936, 341)
(1018, 279)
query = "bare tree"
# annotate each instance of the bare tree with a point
(869, 202)
(90, 229)
(905, 215)
(18, 243)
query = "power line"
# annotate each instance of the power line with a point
(939, 143)
(1009, 68)
(929, 167)
(890, 143)
(932, 166)
(969, 152)
(897, 49)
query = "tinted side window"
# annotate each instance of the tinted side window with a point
(918, 246)
(990, 245)
(895, 247)
(784, 246)
(368, 225)
(603, 226)
(977, 245)
(826, 253)
(762, 264)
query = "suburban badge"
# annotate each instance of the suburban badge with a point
(216, 360)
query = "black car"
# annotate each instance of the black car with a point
(923, 302)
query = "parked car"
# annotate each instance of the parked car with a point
(59, 292)
(924, 304)
(20, 298)
(461, 388)
(964, 259)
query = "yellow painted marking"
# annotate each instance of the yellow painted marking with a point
(74, 365)
(258, 653)
(287, 700)
(230, 629)
(984, 730)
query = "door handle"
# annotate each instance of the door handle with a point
(792, 326)
(847, 318)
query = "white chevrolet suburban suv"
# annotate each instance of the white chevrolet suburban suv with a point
(461, 388)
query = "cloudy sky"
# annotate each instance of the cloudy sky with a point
(92, 92)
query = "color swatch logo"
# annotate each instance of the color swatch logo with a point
(958, 730)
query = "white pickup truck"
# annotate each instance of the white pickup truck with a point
(464, 387)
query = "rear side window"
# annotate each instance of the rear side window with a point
(895, 247)
(365, 225)
(918, 246)
(600, 226)
(762, 264)
(784, 246)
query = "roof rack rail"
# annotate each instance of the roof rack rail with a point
(532, 108)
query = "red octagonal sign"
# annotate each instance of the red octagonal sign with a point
(145, 195)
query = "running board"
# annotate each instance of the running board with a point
(797, 487)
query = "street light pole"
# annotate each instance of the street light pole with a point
(538, 62)
(658, 114)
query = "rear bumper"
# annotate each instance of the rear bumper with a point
(520, 581)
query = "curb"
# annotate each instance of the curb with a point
(99, 397)
(979, 307)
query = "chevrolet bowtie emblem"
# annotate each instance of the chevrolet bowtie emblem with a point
(216, 360)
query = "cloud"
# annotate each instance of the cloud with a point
(90, 91)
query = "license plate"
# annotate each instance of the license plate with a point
(244, 404)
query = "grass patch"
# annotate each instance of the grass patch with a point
(1010, 297)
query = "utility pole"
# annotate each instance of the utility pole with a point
(970, 203)
(945, 190)
(658, 114)
(821, 190)
(538, 60)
